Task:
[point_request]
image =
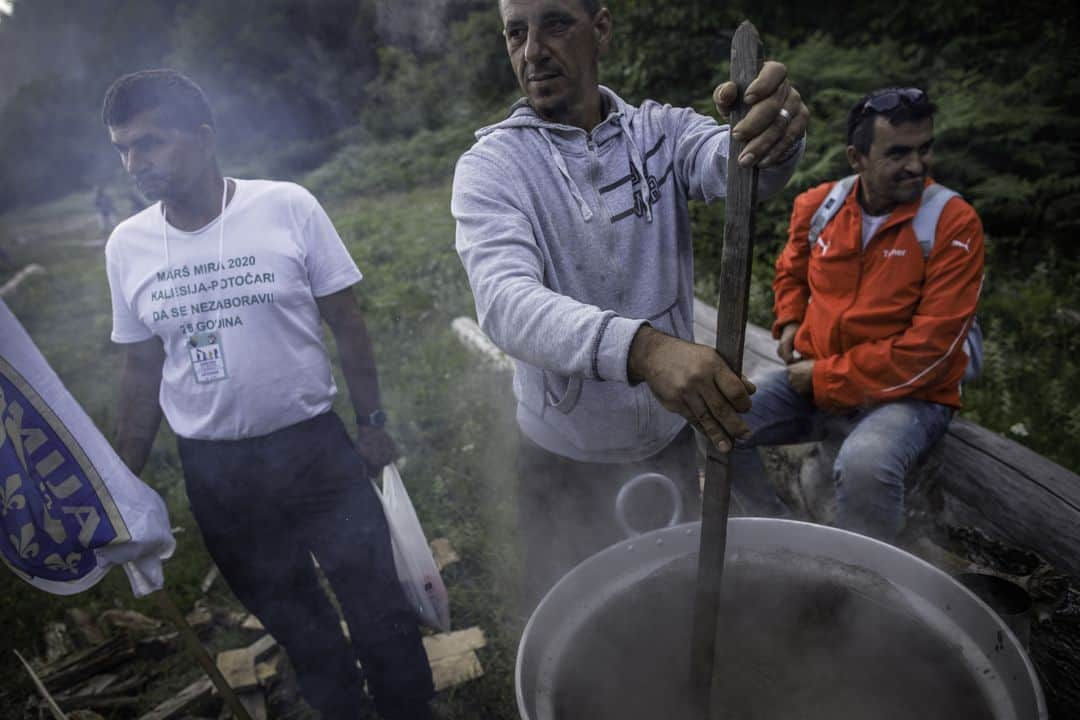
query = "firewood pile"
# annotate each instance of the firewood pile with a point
(109, 665)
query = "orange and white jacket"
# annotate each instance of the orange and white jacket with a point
(881, 323)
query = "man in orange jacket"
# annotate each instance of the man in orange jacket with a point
(875, 295)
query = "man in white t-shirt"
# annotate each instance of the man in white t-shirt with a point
(219, 292)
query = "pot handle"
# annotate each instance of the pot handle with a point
(649, 478)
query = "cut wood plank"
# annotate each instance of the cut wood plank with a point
(238, 668)
(262, 646)
(252, 623)
(254, 701)
(267, 671)
(443, 552)
(197, 691)
(445, 645)
(208, 581)
(456, 670)
(473, 338)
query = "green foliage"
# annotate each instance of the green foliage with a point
(415, 91)
(368, 166)
(667, 50)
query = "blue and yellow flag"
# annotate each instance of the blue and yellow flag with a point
(69, 507)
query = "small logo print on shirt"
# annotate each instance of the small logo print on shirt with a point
(965, 245)
(893, 252)
(824, 246)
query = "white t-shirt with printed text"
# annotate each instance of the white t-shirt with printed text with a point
(280, 252)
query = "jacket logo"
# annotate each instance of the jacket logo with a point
(640, 206)
(824, 246)
(894, 252)
(965, 245)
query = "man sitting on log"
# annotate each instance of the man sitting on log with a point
(573, 227)
(219, 293)
(875, 296)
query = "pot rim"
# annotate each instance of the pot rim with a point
(629, 560)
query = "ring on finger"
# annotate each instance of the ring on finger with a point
(786, 114)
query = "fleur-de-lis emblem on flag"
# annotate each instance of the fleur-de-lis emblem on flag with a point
(70, 563)
(24, 544)
(10, 497)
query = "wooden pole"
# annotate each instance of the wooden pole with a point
(196, 648)
(737, 254)
(57, 713)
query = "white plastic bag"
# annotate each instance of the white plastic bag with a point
(416, 569)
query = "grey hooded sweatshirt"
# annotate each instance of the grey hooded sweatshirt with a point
(573, 240)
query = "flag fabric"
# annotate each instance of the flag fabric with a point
(69, 507)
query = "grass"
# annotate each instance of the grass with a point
(450, 416)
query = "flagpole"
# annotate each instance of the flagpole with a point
(196, 647)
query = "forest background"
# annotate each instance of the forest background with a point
(370, 102)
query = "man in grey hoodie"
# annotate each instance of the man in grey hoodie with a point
(574, 230)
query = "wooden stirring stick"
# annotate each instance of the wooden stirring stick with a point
(746, 62)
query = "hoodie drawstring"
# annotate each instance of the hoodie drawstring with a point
(586, 211)
(638, 164)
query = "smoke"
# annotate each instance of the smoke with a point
(416, 24)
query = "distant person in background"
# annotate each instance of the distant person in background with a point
(105, 208)
(574, 229)
(219, 292)
(875, 296)
(6, 263)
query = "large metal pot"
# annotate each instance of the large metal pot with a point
(818, 623)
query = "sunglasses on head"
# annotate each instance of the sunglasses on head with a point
(891, 99)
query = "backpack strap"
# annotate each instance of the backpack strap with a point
(934, 199)
(926, 219)
(829, 207)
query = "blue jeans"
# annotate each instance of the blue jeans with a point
(884, 443)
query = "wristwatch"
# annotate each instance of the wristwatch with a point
(377, 418)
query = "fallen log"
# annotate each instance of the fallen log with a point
(1011, 493)
(20, 277)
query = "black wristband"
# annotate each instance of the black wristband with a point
(377, 419)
